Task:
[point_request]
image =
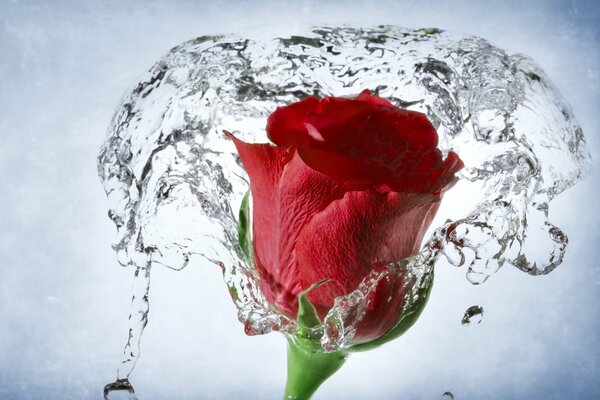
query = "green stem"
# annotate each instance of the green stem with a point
(309, 367)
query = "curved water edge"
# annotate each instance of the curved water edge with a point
(175, 183)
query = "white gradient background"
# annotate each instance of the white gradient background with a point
(64, 300)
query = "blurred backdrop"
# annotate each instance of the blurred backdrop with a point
(64, 301)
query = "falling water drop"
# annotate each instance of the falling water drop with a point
(473, 315)
(120, 389)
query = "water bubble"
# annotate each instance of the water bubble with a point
(473, 315)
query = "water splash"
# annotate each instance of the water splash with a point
(175, 183)
(473, 316)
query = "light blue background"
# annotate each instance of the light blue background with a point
(64, 301)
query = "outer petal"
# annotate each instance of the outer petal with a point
(384, 308)
(285, 194)
(356, 233)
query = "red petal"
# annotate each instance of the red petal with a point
(357, 232)
(285, 126)
(412, 126)
(286, 193)
(338, 133)
(342, 107)
(384, 307)
(336, 165)
(373, 99)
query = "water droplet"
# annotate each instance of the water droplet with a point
(473, 315)
(448, 395)
(119, 389)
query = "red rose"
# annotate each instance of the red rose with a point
(351, 185)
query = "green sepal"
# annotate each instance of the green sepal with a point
(416, 305)
(307, 317)
(244, 227)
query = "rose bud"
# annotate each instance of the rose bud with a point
(351, 185)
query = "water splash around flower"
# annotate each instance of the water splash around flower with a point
(175, 183)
